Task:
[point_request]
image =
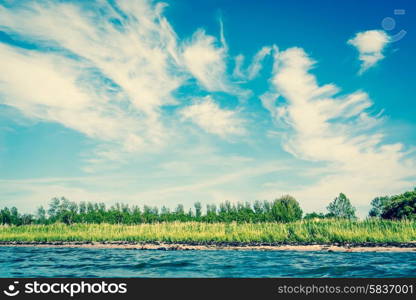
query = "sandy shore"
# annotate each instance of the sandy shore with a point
(393, 247)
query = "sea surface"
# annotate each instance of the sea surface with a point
(82, 262)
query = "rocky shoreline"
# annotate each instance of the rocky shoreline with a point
(279, 246)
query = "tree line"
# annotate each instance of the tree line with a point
(284, 209)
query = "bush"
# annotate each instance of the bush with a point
(314, 215)
(401, 206)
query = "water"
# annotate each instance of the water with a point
(82, 262)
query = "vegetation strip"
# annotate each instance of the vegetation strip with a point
(284, 209)
(273, 225)
(320, 231)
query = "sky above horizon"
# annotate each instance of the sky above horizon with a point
(160, 103)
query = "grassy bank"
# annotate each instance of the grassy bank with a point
(322, 231)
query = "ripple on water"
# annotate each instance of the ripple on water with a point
(81, 262)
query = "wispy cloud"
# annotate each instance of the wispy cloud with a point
(337, 130)
(206, 60)
(208, 115)
(47, 87)
(107, 70)
(107, 76)
(370, 45)
(253, 70)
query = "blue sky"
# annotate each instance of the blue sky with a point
(183, 101)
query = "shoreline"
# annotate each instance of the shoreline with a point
(333, 247)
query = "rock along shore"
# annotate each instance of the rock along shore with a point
(152, 245)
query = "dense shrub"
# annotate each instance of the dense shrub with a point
(401, 206)
(314, 215)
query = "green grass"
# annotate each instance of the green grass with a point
(320, 231)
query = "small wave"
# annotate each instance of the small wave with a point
(116, 263)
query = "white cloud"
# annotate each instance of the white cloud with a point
(370, 45)
(338, 131)
(207, 114)
(106, 70)
(46, 87)
(255, 67)
(135, 57)
(238, 68)
(108, 77)
(206, 61)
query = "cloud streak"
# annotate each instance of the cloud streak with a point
(336, 130)
(253, 70)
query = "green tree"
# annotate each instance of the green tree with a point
(198, 210)
(377, 206)
(41, 215)
(258, 207)
(54, 205)
(26, 219)
(286, 209)
(180, 209)
(82, 207)
(6, 216)
(341, 208)
(14, 216)
(211, 215)
(401, 206)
